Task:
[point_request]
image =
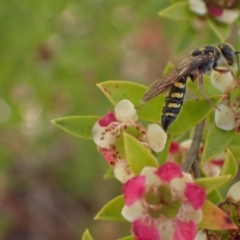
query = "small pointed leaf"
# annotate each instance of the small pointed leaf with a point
(230, 166)
(217, 141)
(214, 218)
(116, 91)
(215, 197)
(211, 183)
(192, 113)
(178, 11)
(138, 156)
(80, 126)
(112, 210)
(221, 30)
(87, 235)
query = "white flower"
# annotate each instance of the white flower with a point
(198, 6)
(156, 137)
(233, 194)
(225, 117)
(223, 81)
(125, 111)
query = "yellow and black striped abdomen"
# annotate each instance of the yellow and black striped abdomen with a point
(173, 102)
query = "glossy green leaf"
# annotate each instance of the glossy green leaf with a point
(192, 113)
(138, 156)
(211, 183)
(178, 11)
(221, 30)
(217, 141)
(87, 235)
(112, 210)
(230, 166)
(215, 197)
(119, 90)
(214, 218)
(127, 238)
(80, 126)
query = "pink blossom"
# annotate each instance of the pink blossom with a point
(107, 119)
(185, 230)
(133, 189)
(163, 203)
(195, 194)
(168, 171)
(215, 11)
(144, 232)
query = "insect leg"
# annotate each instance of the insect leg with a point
(200, 86)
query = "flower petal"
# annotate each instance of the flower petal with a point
(134, 212)
(228, 16)
(122, 171)
(101, 138)
(107, 119)
(225, 117)
(125, 111)
(233, 194)
(223, 81)
(169, 171)
(188, 213)
(195, 194)
(145, 232)
(134, 189)
(201, 235)
(185, 230)
(198, 6)
(156, 137)
(151, 178)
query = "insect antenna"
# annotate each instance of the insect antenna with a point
(238, 72)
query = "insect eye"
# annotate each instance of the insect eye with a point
(228, 52)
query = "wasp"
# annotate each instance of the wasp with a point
(199, 62)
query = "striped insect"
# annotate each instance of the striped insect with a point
(199, 62)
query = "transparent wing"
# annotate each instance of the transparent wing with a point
(181, 70)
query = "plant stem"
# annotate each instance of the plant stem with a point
(192, 156)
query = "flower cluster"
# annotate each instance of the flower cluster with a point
(163, 203)
(221, 11)
(226, 116)
(107, 134)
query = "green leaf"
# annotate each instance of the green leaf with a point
(138, 156)
(112, 210)
(230, 166)
(127, 238)
(209, 89)
(192, 113)
(211, 183)
(215, 197)
(116, 91)
(216, 142)
(87, 235)
(178, 11)
(80, 126)
(168, 68)
(221, 30)
(214, 218)
(108, 174)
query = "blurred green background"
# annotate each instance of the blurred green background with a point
(52, 53)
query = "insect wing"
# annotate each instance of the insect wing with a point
(181, 70)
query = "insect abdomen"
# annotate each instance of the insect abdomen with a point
(173, 103)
